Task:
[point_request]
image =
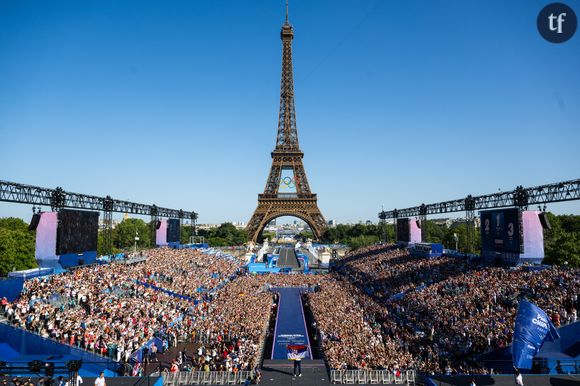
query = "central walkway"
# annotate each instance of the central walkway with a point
(290, 323)
(288, 259)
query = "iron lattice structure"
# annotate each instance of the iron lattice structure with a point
(58, 198)
(287, 156)
(519, 197)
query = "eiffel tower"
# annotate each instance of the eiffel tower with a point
(287, 171)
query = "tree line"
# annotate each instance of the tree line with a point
(17, 243)
(561, 243)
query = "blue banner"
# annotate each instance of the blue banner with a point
(290, 323)
(532, 327)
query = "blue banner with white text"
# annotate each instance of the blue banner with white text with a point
(532, 327)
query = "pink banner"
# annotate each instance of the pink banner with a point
(533, 235)
(414, 231)
(46, 236)
(161, 234)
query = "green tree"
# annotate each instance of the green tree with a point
(14, 224)
(361, 241)
(186, 232)
(240, 237)
(449, 237)
(562, 242)
(224, 235)
(268, 235)
(434, 233)
(331, 235)
(124, 234)
(305, 235)
(17, 246)
(217, 242)
(355, 236)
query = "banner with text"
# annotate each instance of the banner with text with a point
(532, 327)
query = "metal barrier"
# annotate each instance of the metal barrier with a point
(410, 377)
(399, 378)
(386, 377)
(349, 376)
(373, 377)
(336, 376)
(361, 376)
(185, 378)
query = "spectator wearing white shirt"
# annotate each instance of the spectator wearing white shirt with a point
(100, 381)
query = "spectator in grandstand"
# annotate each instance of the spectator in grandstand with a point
(450, 310)
(102, 309)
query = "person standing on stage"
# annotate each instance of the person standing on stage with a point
(297, 367)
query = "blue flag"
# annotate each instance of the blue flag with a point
(532, 328)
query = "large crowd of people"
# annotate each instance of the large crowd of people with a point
(379, 308)
(107, 310)
(188, 272)
(347, 326)
(446, 311)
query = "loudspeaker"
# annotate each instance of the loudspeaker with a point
(81, 261)
(158, 225)
(418, 223)
(34, 222)
(544, 221)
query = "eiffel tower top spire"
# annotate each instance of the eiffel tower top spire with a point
(287, 138)
(287, 192)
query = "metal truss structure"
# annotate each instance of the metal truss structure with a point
(519, 197)
(287, 156)
(58, 199)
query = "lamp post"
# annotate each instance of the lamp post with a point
(456, 241)
(136, 239)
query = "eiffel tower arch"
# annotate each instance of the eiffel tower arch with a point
(287, 192)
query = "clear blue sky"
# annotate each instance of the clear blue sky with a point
(176, 102)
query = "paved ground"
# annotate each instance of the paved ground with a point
(280, 373)
(288, 258)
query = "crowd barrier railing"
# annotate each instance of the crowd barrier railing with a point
(184, 378)
(262, 342)
(373, 377)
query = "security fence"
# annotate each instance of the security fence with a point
(373, 377)
(183, 378)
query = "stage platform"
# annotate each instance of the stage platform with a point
(279, 372)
